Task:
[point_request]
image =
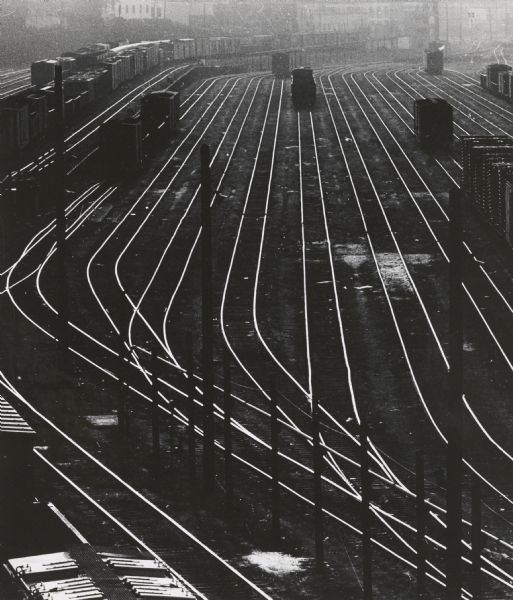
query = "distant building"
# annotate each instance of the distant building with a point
(185, 13)
(475, 20)
(459, 21)
(42, 15)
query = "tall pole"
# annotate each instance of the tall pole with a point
(228, 410)
(454, 459)
(317, 468)
(191, 413)
(123, 367)
(155, 421)
(275, 467)
(207, 321)
(477, 539)
(421, 525)
(60, 218)
(366, 513)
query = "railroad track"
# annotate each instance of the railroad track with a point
(12, 83)
(144, 523)
(378, 237)
(267, 353)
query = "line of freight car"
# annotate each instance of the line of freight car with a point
(28, 116)
(122, 65)
(218, 47)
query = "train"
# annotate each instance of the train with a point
(90, 75)
(303, 88)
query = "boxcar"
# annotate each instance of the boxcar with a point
(121, 143)
(280, 64)
(434, 61)
(433, 123)
(303, 88)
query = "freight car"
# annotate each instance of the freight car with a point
(42, 71)
(303, 88)
(121, 144)
(160, 115)
(488, 179)
(14, 124)
(498, 79)
(434, 61)
(493, 72)
(433, 123)
(280, 64)
(89, 56)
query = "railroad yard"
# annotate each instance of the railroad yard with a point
(330, 297)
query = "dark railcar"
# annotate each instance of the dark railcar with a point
(493, 72)
(42, 72)
(434, 61)
(303, 88)
(280, 65)
(487, 176)
(121, 143)
(14, 124)
(468, 142)
(433, 122)
(160, 114)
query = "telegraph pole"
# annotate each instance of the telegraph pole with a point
(60, 208)
(366, 511)
(454, 458)
(207, 321)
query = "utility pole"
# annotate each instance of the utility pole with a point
(421, 525)
(275, 465)
(228, 457)
(207, 321)
(155, 411)
(454, 458)
(318, 452)
(60, 217)
(477, 539)
(366, 511)
(191, 434)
